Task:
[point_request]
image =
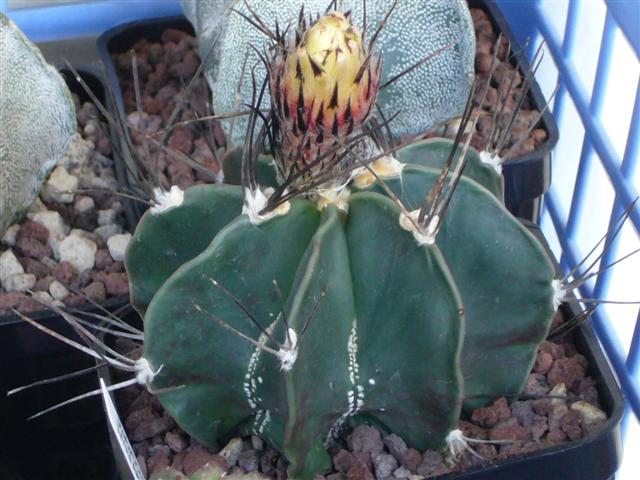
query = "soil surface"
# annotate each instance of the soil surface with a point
(164, 70)
(70, 245)
(502, 96)
(559, 404)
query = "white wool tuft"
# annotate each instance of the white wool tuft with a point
(144, 373)
(493, 160)
(559, 293)
(166, 200)
(288, 354)
(410, 223)
(255, 201)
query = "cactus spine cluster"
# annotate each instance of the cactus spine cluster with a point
(289, 316)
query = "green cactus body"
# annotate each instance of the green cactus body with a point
(344, 365)
(504, 277)
(204, 210)
(434, 152)
(387, 341)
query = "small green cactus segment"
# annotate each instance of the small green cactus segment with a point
(434, 152)
(433, 93)
(504, 277)
(410, 325)
(183, 336)
(154, 254)
(266, 173)
(37, 117)
(318, 385)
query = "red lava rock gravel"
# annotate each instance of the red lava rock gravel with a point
(63, 241)
(164, 68)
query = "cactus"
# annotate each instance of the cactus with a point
(37, 117)
(292, 310)
(431, 94)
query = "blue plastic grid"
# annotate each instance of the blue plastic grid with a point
(529, 21)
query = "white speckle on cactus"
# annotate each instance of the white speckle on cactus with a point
(432, 93)
(166, 200)
(263, 417)
(355, 396)
(256, 200)
(492, 160)
(559, 293)
(352, 349)
(249, 384)
(288, 353)
(423, 236)
(372, 381)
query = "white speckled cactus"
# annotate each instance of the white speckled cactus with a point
(37, 117)
(431, 94)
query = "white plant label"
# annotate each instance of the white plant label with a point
(121, 435)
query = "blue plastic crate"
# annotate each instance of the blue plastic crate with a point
(594, 49)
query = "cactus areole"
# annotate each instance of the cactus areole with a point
(290, 319)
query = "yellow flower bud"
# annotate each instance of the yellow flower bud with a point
(323, 86)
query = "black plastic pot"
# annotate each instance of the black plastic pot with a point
(120, 40)
(596, 457)
(71, 443)
(527, 178)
